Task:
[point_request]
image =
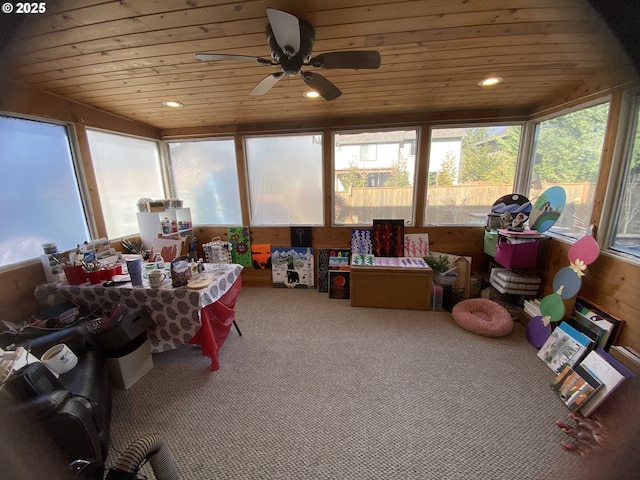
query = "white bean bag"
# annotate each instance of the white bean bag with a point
(483, 316)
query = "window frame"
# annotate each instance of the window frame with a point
(246, 181)
(355, 131)
(516, 178)
(531, 146)
(79, 177)
(163, 165)
(165, 155)
(628, 122)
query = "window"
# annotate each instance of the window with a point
(205, 176)
(40, 197)
(469, 169)
(626, 235)
(567, 151)
(127, 169)
(374, 176)
(285, 180)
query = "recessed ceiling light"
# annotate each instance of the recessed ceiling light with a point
(173, 104)
(311, 94)
(489, 81)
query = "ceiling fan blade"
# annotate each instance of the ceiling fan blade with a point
(352, 60)
(214, 57)
(324, 87)
(266, 84)
(286, 29)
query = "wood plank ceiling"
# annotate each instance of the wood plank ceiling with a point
(128, 56)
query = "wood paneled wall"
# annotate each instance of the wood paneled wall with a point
(609, 283)
(17, 285)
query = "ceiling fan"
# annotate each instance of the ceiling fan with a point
(291, 41)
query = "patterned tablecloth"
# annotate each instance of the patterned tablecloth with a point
(176, 312)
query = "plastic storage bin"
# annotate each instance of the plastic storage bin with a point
(490, 242)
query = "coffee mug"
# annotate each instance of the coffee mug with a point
(156, 278)
(59, 359)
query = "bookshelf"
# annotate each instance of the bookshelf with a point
(150, 224)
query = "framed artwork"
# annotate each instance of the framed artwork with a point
(292, 267)
(416, 244)
(330, 259)
(388, 238)
(300, 236)
(240, 246)
(339, 284)
(361, 242)
(261, 256)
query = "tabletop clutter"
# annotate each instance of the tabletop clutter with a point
(98, 263)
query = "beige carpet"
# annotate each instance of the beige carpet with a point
(316, 389)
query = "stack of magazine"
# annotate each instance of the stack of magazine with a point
(577, 351)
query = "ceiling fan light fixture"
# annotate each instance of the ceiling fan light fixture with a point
(490, 81)
(173, 104)
(291, 42)
(311, 94)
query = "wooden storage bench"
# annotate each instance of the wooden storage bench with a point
(391, 287)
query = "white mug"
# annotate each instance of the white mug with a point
(156, 278)
(59, 359)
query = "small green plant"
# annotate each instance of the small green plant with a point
(440, 264)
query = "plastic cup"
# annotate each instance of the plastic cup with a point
(134, 267)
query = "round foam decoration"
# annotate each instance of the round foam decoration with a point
(569, 280)
(537, 331)
(547, 209)
(483, 316)
(585, 249)
(551, 306)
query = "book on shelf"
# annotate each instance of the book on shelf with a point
(618, 365)
(575, 386)
(594, 318)
(565, 345)
(634, 353)
(594, 336)
(606, 373)
(625, 357)
(532, 308)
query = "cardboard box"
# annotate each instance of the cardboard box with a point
(128, 369)
(391, 287)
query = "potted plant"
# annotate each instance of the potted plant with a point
(442, 271)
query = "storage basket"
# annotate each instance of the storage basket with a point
(514, 283)
(516, 255)
(217, 251)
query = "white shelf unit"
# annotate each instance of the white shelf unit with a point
(150, 224)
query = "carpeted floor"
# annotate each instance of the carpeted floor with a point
(316, 389)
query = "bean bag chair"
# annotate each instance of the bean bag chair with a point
(483, 316)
